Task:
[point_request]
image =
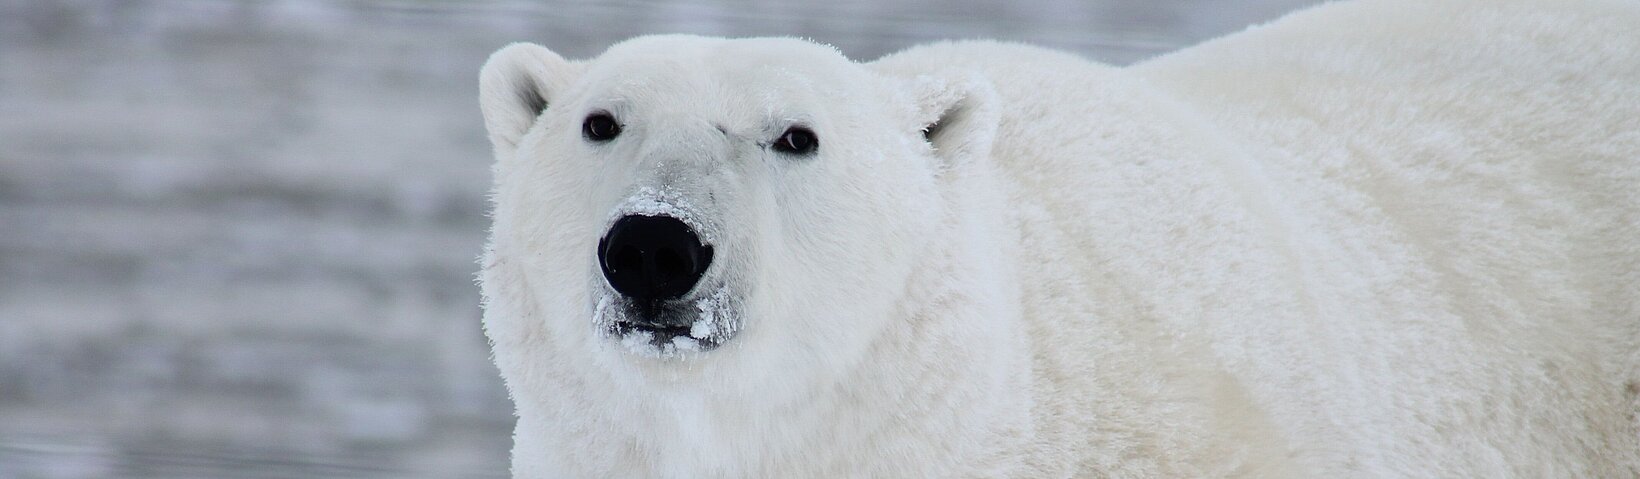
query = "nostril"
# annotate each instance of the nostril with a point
(627, 260)
(668, 265)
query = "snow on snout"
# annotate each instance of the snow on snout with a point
(650, 202)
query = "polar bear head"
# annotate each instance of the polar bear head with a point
(744, 217)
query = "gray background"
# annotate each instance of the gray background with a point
(237, 239)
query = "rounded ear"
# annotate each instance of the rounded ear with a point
(518, 83)
(956, 113)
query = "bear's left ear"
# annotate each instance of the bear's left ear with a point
(515, 86)
(957, 115)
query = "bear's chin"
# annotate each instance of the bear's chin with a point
(671, 328)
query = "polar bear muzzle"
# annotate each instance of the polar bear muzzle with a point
(651, 262)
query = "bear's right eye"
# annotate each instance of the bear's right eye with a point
(600, 127)
(797, 140)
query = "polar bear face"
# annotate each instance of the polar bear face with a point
(739, 215)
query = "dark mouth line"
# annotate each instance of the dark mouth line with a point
(665, 326)
(624, 327)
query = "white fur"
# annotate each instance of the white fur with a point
(1376, 238)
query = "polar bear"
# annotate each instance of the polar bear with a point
(1372, 239)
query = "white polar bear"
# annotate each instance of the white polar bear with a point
(1373, 239)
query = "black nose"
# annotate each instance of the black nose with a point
(652, 257)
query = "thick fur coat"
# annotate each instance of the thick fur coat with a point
(1371, 239)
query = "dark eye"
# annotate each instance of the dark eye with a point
(797, 140)
(600, 127)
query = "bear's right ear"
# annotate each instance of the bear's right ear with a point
(957, 115)
(518, 83)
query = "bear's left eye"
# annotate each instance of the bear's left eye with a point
(600, 127)
(797, 140)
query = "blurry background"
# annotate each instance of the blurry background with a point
(237, 239)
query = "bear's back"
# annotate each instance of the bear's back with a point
(1469, 170)
(1407, 227)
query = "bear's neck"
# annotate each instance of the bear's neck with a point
(946, 397)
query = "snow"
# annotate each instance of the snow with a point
(712, 311)
(687, 344)
(703, 328)
(651, 202)
(714, 323)
(641, 343)
(599, 311)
